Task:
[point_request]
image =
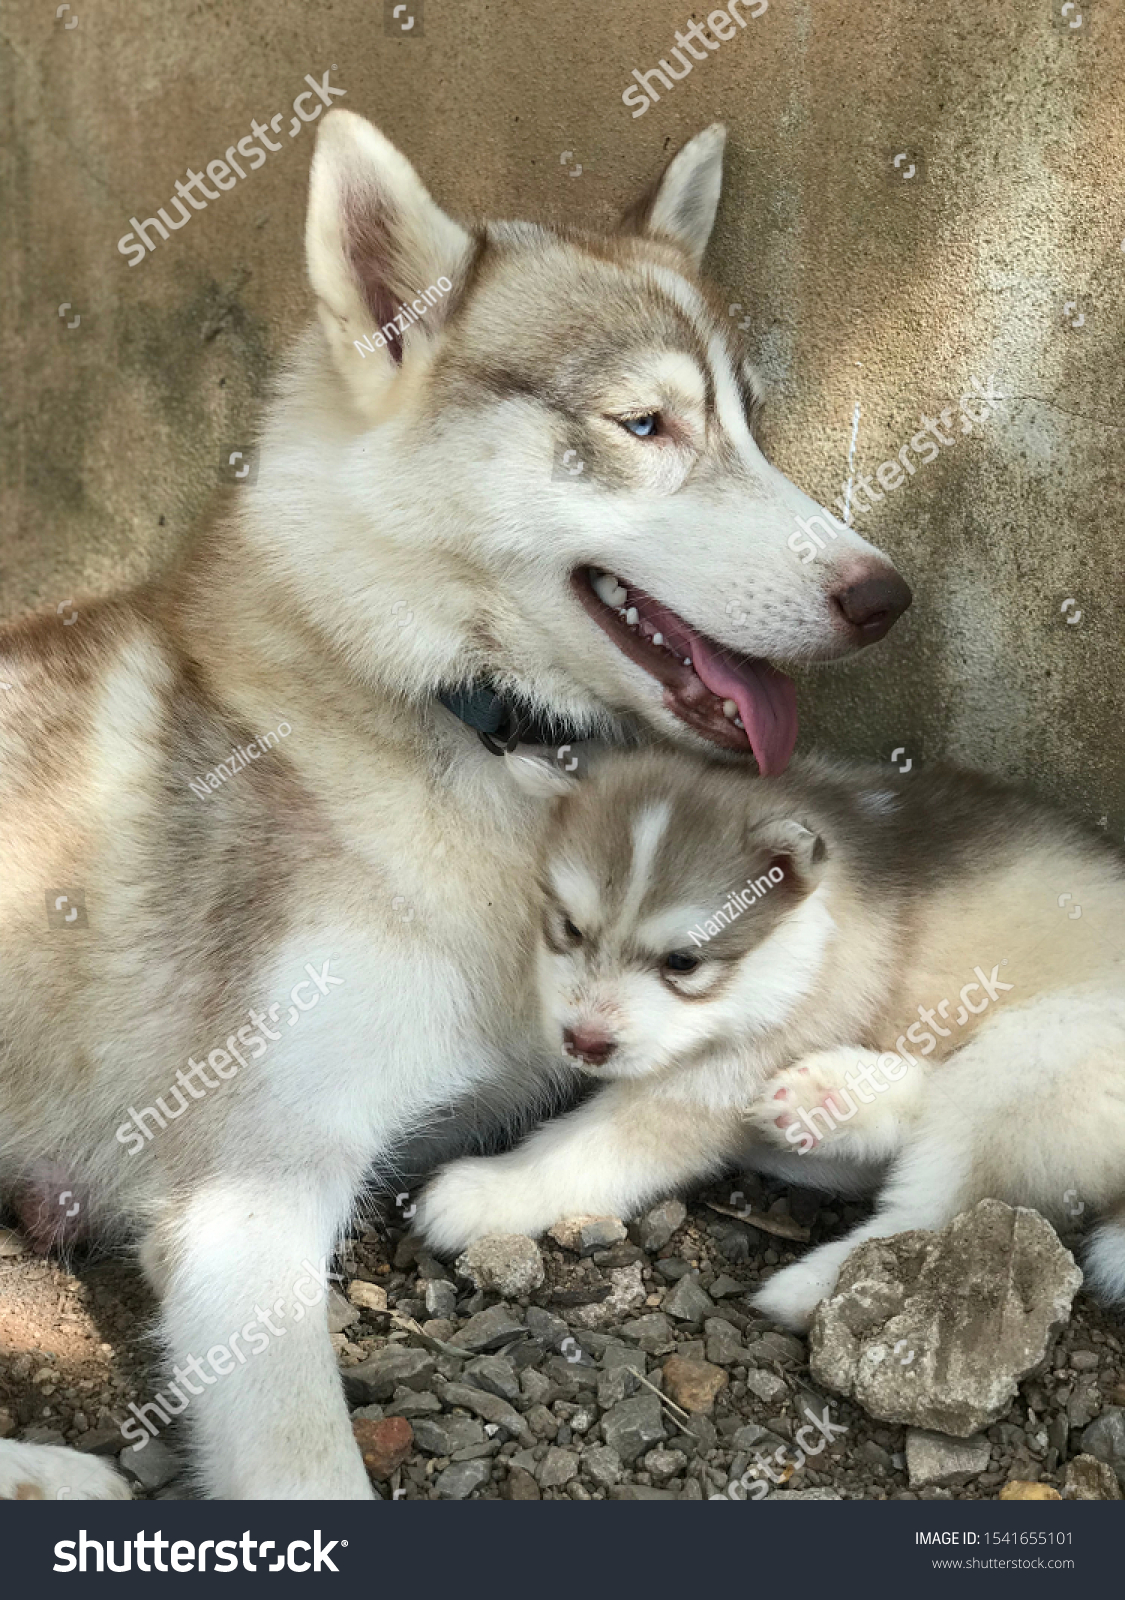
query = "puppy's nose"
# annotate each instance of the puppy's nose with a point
(874, 604)
(588, 1044)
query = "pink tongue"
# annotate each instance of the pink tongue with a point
(766, 701)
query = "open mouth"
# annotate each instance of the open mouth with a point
(739, 702)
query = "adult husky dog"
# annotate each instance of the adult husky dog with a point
(416, 530)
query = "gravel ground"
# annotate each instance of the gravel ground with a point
(636, 1369)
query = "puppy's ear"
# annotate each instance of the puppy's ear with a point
(680, 208)
(376, 243)
(791, 846)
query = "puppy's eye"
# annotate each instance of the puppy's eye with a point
(642, 427)
(680, 961)
(573, 934)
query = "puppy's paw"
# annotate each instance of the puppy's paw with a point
(476, 1196)
(804, 1107)
(792, 1295)
(52, 1472)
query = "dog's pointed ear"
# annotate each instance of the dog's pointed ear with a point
(794, 849)
(384, 260)
(680, 207)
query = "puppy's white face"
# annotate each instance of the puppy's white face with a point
(658, 947)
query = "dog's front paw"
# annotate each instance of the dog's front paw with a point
(807, 1105)
(52, 1472)
(476, 1196)
(791, 1296)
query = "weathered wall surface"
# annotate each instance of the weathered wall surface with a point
(1003, 254)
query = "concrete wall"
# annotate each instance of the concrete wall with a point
(1002, 254)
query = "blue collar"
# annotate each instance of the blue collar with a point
(504, 723)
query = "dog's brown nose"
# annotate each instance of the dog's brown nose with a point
(589, 1045)
(874, 605)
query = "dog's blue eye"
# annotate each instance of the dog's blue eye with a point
(642, 427)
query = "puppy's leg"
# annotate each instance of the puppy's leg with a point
(51, 1472)
(620, 1150)
(850, 1104)
(928, 1187)
(246, 1332)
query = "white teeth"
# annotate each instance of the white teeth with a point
(607, 589)
(658, 638)
(738, 722)
(687, 661)
(632, 616)
(730, 710)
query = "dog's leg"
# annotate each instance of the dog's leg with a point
(246, 1333)
(927, 1189)
(51, 1472)
(620, 1150)
(841, 1103)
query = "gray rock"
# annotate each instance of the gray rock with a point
(547, 1328)
(380, 1375)
(535, 1388)
(150, 1465)
(783, 1348)
(459, 1479)
(489, 1330)
(937, 1330)
(766, 1385)
(1105, 1440)
(633, 1426)
(584, 1235)
(950, 1463)
(556, 1468)
(663, 1463)
(724, 1286)
(751, 1436)
(602, 1465)
(406, 1405)
(441, 1436)
(508, 1263)
(688, 1302)
(496, 1375)
(627, 1291)
(653, 1333)
(618, 1377)
(724, 1342)
(488, 1406)
(656, 1227)
(441, 1298)
(341, 1312)
(598, 1233)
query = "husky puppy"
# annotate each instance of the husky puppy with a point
(916, 985)
(224, 1000)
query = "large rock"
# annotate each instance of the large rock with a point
(508, 1263)
(634, 1426)
(1087, 1478)
(626, 1292)
(936, 1330)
